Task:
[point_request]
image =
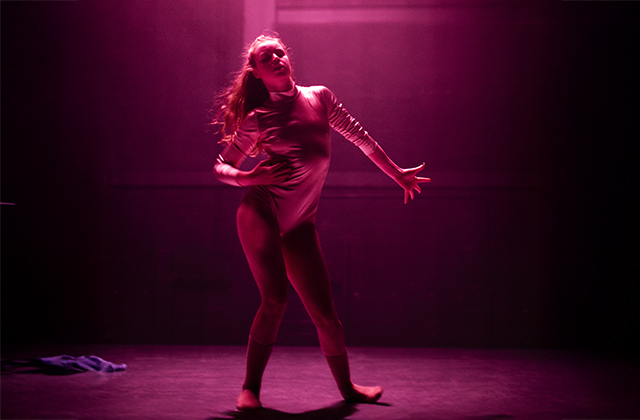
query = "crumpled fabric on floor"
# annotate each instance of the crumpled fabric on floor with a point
(61, 365)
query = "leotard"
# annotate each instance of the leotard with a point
(295, 127)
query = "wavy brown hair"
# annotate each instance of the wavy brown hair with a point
(244, 94)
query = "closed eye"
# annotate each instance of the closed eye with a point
(266, 56)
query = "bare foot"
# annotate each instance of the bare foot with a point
(248, 400)
(363, 394)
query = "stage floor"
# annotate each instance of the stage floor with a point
(202, 383)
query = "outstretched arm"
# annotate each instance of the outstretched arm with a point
(345, 124)
(406, 178)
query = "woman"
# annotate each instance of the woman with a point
(266, 111)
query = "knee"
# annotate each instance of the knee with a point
(274, 306)
(327, 322)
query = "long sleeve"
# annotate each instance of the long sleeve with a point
(341, 121)
(235, 152)
(243, 142)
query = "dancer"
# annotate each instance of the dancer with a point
(265, 110)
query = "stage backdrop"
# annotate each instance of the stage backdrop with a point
(520, 109)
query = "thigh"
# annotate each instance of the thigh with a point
(262, 244)
(307, 270)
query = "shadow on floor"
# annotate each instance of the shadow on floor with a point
(338, 411)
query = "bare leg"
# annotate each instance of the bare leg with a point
(257, 358)
(309, 275)
(260, 238)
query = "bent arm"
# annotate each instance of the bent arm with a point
(226, 168)
(264, 173)
(236, 151)
(227, 173)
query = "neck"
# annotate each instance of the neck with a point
(285, 86)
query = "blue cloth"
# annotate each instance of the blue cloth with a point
(82, 363)
(63, 365)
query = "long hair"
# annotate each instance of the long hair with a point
(244, 94)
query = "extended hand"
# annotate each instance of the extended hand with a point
(409, 181)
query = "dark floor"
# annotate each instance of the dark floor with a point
(199, 382)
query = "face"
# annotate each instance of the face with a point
(272, 66)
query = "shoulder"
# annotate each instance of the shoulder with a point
(321, 92)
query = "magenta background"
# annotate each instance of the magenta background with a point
(523, 111)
